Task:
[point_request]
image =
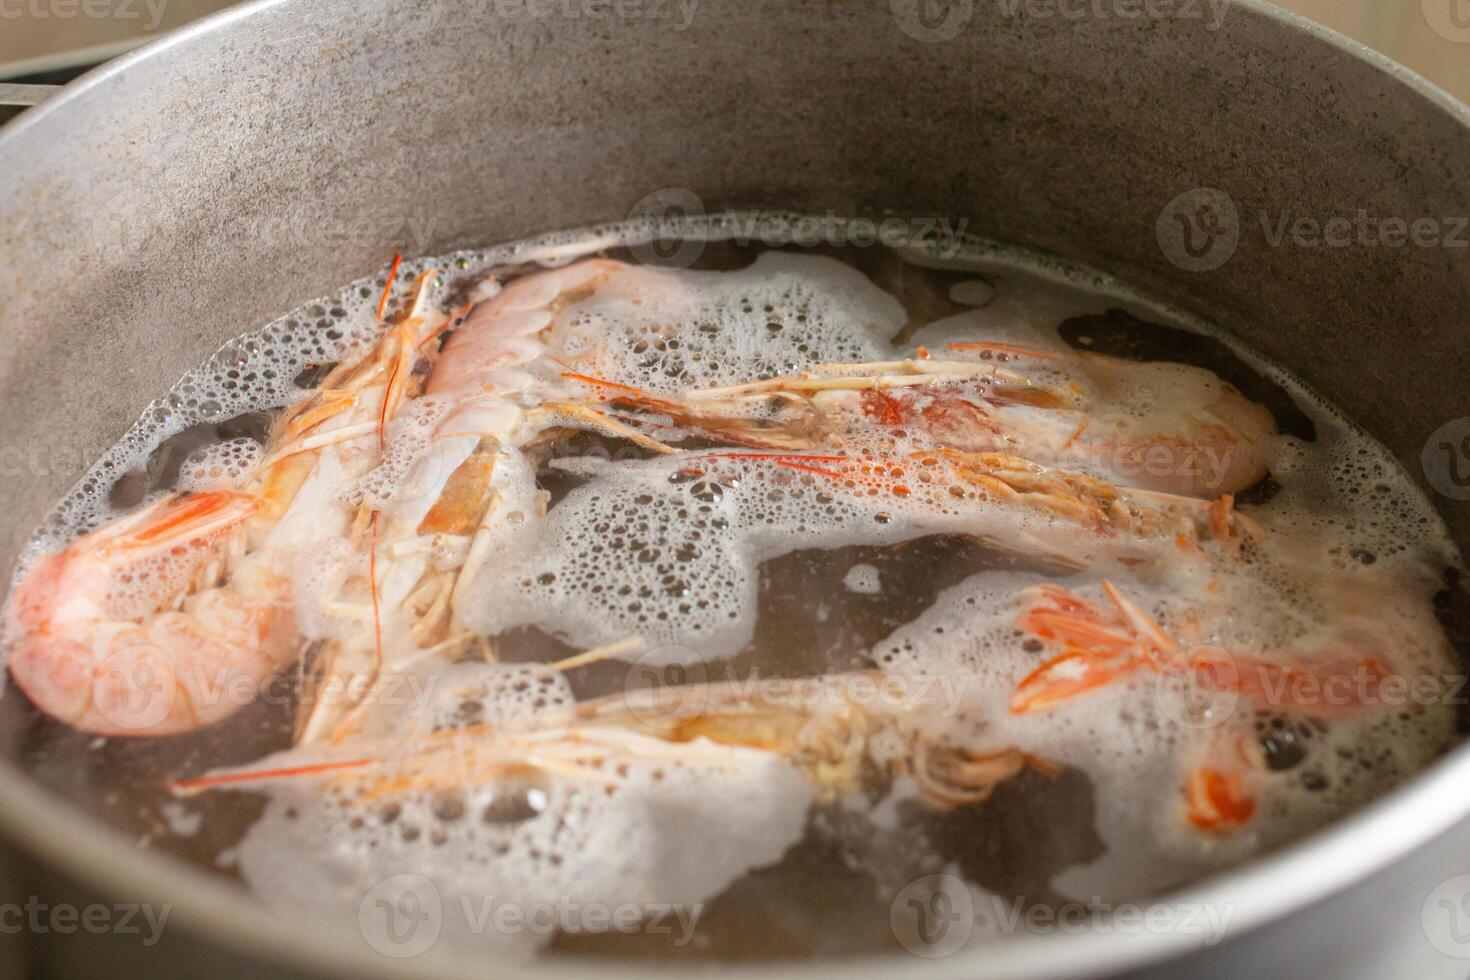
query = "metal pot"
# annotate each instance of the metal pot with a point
(194, 189)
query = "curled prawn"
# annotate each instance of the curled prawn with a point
(98, 644)
(170, 618)
(153, 672)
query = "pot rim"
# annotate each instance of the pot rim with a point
(1330, 861)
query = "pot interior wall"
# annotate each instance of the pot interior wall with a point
(244, 170)
(213, 186)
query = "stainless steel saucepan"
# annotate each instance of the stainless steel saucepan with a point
(234, 170)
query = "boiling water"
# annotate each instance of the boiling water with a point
(731, 576)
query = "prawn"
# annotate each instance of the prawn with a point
(1103, 644)
(1211, 443)
(225, 619)
(146, 626)
(840, 741)
(390, 564)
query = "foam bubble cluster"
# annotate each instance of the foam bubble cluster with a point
(783, 315)
(1139, 737)
(640, 833)
(228, 465)
(671, 549)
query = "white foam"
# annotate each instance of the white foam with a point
(645, 834)
(863, 579)
(1138, 738)
(671, 550)
(781, 316)
(226, 465)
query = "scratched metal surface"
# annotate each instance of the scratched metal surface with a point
(45, 35)
(179, 199)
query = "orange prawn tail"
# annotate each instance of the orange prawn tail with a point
(1216, 800)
